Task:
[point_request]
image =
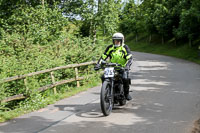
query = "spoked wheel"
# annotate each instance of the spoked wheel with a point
(106, 98)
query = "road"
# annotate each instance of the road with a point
(166, 99)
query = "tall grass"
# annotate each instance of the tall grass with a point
(169, 49)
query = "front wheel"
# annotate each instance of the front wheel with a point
(106, 98)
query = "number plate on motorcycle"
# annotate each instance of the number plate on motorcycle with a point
(109, 72)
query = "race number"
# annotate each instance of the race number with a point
(109, 72)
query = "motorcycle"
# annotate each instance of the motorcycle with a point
(112, 90)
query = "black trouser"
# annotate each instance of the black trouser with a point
(126, 81)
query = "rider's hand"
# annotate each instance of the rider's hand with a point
(97, 67)
(103, 62)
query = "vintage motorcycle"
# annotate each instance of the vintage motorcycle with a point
(112, 90)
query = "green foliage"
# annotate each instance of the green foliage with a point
(160, 19)
(35, 58)
(101, 17)
(72, 8)
(37, 25)
(34, 39)
(109, 16)
(167, 18)
(131, 21)
(43, 100)
(34, 102)
(189, 24)
(179, 51)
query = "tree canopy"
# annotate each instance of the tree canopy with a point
(179, 19)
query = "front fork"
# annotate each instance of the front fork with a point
(111, 95)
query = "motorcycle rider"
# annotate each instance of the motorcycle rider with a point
(119, 53)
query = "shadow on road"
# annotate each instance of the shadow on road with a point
(157, 107)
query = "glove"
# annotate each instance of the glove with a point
(97, 67)
(103, 62)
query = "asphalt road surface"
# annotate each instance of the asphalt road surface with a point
(166, 99)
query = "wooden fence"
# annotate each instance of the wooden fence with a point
(54, 83)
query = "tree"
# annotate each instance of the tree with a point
(160, 19)
(72, 8)
(189, 21)
(39, 25)
(101, 17)
(109, 16)
(148, 8)
(132, 19)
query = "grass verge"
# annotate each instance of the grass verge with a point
(183, 51)
(23, 109)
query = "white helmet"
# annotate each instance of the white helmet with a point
(118, 36)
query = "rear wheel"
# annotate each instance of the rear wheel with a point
(106, 98)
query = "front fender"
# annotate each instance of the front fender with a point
(105, 79)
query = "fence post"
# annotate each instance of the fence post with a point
(76, 71)
(26, 84)
(25, 76)
(53, 81)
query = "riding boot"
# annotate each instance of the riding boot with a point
(126, 82)
(128, 97)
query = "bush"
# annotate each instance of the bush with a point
(34, 39)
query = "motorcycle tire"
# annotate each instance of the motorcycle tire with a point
(106, 98)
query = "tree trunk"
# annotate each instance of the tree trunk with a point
(43, 3)
(92, 24)
(190, 42)
(136, 38)
(99, 5)
(104, 32)
(175, 40)
(163, 39)
(91, 30)
(94, 35)
(150, 37)
(57, 50)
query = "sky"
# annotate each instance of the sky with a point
(136, 1)
(78, 16)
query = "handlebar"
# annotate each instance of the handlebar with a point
(112, 65)
(105, 64)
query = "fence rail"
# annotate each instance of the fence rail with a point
(54, 83)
